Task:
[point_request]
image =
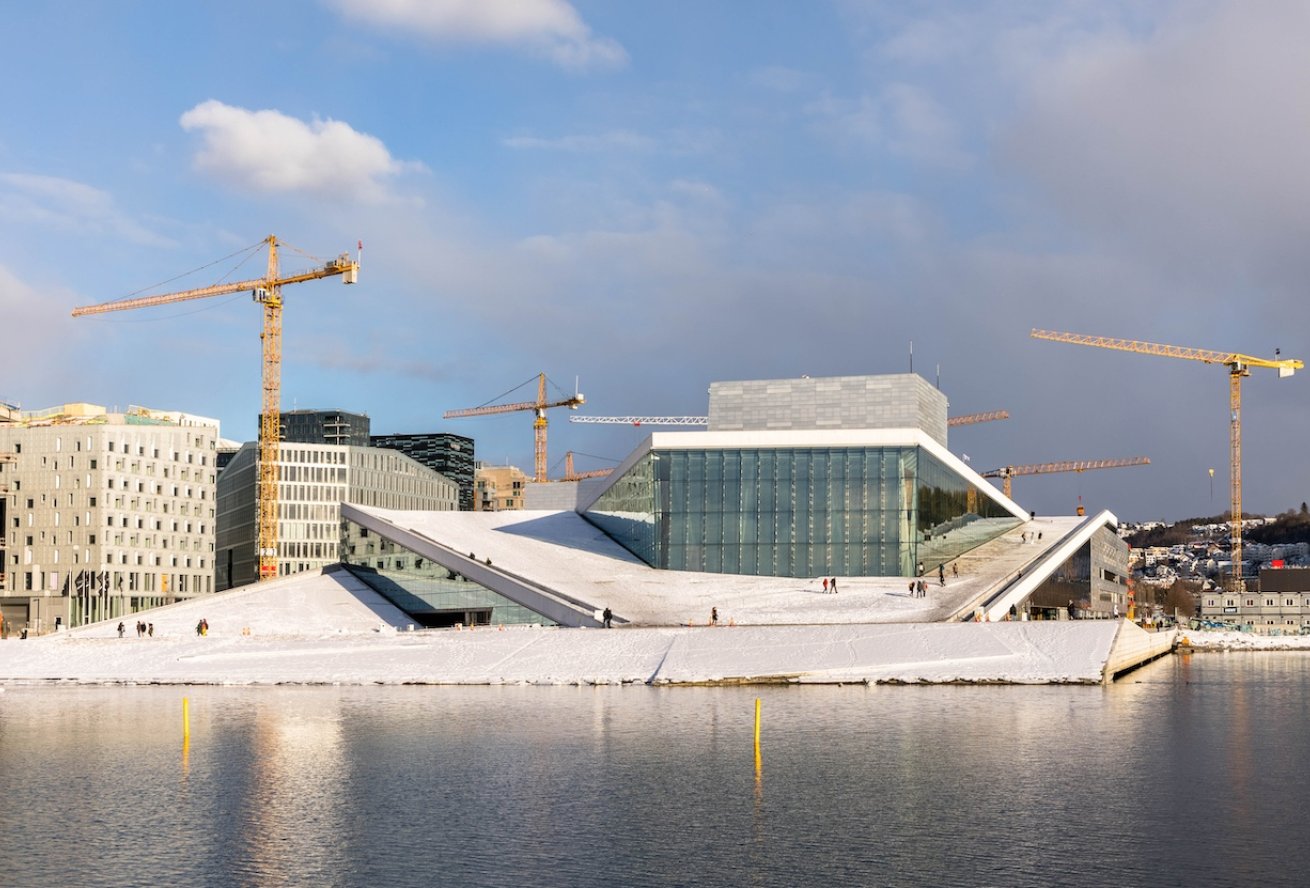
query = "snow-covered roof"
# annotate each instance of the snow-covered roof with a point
(562, 552)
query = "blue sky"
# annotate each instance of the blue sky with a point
(652, 196)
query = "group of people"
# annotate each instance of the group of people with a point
(918, 589)
(830, 585)
(202, 628)
(142, 629)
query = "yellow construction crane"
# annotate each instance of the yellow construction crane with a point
(1238, 366)
(539, 406)
(266, 291)
(571, 475)
(1007, 473)
(974, 418)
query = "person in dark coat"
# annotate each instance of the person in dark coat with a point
(941, 574)
(833, 585)
(121, 630)
(606, 618)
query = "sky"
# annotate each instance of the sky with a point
(639, 199)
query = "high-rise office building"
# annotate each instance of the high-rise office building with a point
(340, 427)
(314, 479)
(451, 455)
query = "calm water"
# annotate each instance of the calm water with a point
(1192, 772)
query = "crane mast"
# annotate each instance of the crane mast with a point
(538, 407)
(1238, 366)
(270, 417)
(267, 292)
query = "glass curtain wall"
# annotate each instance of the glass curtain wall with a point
(870, 511)
(433, 595)
(952, 516)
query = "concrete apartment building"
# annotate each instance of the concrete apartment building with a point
(498, 488)
(104, 514)
(314, 479)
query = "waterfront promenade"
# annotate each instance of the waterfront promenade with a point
(331, 629)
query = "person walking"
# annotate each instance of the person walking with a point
(941, 574)
(150, 630)
(833, 585)
(825, 584)
(714, 616)
(121, 629)
(607, 617)
(955, 569)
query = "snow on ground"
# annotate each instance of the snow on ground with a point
(1232, 640)
(328, 628)
(563, 552)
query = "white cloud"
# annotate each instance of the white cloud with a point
(551, 28)
(71, 206)
(268, 151)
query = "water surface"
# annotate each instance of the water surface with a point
(1190, 772)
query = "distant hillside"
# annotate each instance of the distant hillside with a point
(1174, 535)
(1289, 527)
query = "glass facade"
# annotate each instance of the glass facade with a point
(848, 511)
(1093, 580)
(423, 589)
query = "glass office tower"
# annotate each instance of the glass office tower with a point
(799, 512)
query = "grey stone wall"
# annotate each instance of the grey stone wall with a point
(902, 400)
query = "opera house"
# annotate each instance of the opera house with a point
(793, 483)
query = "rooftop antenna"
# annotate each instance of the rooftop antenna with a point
(911, 355)
(939, 377)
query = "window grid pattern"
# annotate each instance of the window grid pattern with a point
(875, 511)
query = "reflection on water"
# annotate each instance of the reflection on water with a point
(1190, 772)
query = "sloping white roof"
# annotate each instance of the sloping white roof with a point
(564, 553)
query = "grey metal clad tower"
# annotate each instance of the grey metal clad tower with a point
(900, 400)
